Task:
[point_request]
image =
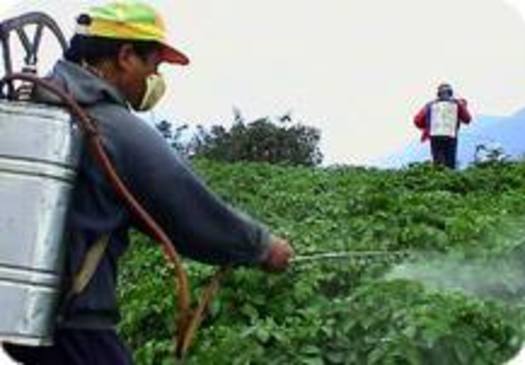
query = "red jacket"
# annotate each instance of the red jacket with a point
(422, 118)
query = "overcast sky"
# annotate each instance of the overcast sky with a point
(357, 69)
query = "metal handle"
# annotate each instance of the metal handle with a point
(18, 25)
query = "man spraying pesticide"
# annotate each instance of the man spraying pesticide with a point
(126, 176)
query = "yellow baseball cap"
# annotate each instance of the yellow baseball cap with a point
(131, 20)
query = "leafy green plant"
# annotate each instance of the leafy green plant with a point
(345, 312)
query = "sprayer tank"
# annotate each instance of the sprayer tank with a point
(39, 154)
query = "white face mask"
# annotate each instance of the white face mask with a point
(155, 89)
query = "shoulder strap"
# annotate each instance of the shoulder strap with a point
(89, 265)
(84, 275)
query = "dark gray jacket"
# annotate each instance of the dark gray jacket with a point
(201, 226)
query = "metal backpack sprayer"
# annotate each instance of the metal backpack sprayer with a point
(40, 148)
(39, 152)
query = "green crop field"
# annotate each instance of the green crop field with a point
(455, 297)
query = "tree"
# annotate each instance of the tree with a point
(175, 137)
(164, 128)
(260, 140)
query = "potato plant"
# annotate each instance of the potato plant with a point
(347, 311)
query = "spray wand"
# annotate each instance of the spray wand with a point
(350, 255)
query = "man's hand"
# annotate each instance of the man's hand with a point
(279, 255)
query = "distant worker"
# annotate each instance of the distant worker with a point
(439, 121)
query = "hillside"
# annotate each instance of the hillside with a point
(456, 297)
